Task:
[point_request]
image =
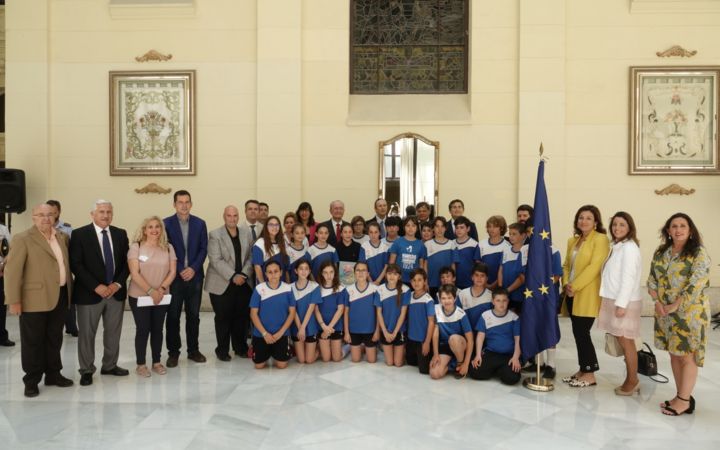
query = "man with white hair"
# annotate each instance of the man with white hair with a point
(98, 258)
(336, 222)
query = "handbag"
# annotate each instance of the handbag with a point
(612, 346)
(647, 365)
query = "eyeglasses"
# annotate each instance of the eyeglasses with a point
(44, 216)
(273, 225)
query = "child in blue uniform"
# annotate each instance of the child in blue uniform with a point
(361, 326)
(329, 313)
(467, 253)
(321, 251)
(453, 337)
(407, 251)
(426, 231)
(297, 250)
(512, 271)
(272, 309)
(476, 299)
(305, 328)
(491, 248)
(391, 304)
(440, 253)
(392, 229)
(421, 323)
(374, 253)
(498, 342)
(269, 246)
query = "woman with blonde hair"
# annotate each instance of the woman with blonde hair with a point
(152, 264)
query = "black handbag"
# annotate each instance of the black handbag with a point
(647, 365)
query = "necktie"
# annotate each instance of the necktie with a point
(107, 254)
(381, 223)
(337, 232)
(252, 228)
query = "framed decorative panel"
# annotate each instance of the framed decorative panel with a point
(152, 123)
(674, 120)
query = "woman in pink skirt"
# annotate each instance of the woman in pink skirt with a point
(621, 295)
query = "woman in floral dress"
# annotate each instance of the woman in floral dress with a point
(679, 274)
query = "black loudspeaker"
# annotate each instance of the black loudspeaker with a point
(12, 191)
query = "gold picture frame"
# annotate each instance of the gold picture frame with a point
(152, 122)
(674, 120)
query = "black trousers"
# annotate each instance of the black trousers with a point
(149, 321)
(495, 364)
(189, 294)
(41, 336)
(71, 320)
(581, 326)
(415, 357)
(232, 318)
(3, 312)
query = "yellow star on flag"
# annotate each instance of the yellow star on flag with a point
(544, 289)
(545, 234)
(528, 293)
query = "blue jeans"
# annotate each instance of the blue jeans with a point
(188, 293)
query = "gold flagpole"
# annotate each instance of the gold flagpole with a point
(538, 383)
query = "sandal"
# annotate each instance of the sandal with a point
(142, 371)
(674, 412)
(159, 369)
(569, 379)
(578, 383)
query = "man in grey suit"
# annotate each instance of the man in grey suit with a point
(229, 283)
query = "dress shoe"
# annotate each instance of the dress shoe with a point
(619, 390)
(59, 381)
(86, 379)
(197, 357)
(7, 343)
(225, 357)
(117, 371)
(549, 372)
(31, 390)
(142, 371)
(243, 354)
(72, 333)
(159, 369)
(172, 361)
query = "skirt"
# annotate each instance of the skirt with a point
(627, 326)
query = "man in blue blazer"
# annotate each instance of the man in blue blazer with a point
(189, 238)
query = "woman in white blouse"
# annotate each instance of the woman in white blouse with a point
(621, 295)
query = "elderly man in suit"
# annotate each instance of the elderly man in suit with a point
(98, 259)
(188, 236)
(337, 211)
(229, 284)
(37, 285)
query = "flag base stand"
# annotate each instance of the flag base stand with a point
(538, 383)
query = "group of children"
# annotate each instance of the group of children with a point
(440, 304)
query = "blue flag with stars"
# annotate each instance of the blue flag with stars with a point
(539, 328)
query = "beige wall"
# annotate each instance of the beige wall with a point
(275, 121)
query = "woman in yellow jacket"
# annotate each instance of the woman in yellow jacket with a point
(586, 253)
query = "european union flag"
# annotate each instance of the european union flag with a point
(539, 328)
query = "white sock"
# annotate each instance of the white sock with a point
(550, 357)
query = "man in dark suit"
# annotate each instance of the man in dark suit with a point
(229, 284)
(337, 211)
(189, 238)
(457, 209)
(381, 209)
(37, 276)
(98, 259)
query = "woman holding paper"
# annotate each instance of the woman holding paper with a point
(152, 268)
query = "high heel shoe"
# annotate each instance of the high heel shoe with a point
(619, 390)
(670, 411)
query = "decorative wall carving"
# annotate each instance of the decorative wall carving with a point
(674, 189)
(154, 188)
(153, 55)
(676, 50)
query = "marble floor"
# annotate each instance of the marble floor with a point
(344, 405)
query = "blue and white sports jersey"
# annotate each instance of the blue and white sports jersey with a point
(466, 254)
(475, 306)
(455, 323)
(409, 253)
(329, 302)
(288, 242)
(361, 308)
(500, 331)
(419, 311)
(491, 255)
(273, 306)
(260, 257)
(320, 255)
(386, 300)
(439, 255)
(295, 255)
(309, 295)
(362, 239)
(375, 257)
(513, 265)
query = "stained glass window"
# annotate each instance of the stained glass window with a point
(408, 46)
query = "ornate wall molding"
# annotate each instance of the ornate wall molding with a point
(676, 50)
(153, 188)
(675, 189)
(153, 55)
